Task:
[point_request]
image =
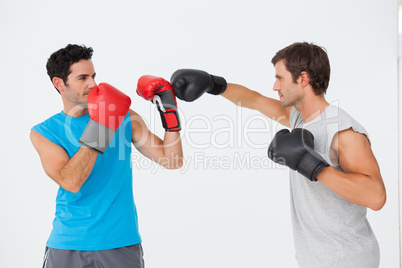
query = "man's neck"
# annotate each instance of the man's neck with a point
(75, 111)
(311, 108)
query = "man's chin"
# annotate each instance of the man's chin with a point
(286, 103)
(84, 105)
(81, 105)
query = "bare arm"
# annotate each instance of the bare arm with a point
(247, 98)
(68, 173)
(361, 183)
(167, 152)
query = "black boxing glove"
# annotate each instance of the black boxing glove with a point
(190, 84)
(296, 150)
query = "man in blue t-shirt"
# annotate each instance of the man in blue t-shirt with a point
(86, 150)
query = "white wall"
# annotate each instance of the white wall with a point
(209, 214)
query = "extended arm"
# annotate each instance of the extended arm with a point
(245, 97)
(190, 84)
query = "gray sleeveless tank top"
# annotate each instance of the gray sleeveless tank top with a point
(328, 230)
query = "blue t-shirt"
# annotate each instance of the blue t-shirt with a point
(102, 215)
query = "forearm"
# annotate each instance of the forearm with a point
(360, 189)
(241, 96)
(172, 150)
(247, 98)
(77, 170)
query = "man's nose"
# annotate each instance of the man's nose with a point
(92, 83)
(276, 86)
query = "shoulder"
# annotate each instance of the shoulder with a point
(49, 126)
(36, 138)
(347, 141)
(349, 137)
(137, 123)
(135, 118)
(42, 144)
(133, 113)
(344, 119)
(53, 121)
(347, 127)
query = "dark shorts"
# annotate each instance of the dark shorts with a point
(125, 257)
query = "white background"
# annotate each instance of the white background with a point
(220, 212)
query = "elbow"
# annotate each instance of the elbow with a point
(175, 163)
(73, 190)
(69, 184)
(65, 182)
(378, 196)
(71, 187)
(379, 202)
(179, 165)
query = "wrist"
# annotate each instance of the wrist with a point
(170, 120)
(323, 173)
(166, 104)
(318, 170)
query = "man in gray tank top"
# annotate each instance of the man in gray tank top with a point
(334, 176)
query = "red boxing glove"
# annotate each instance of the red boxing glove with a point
(160, 92)
(107, 107)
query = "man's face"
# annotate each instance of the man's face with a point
(289, 91)
(80, 82)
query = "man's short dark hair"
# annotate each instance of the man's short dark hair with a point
(58, 65)
(306, 57)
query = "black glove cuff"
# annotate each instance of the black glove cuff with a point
(311, 164)
(218, 85)
(318, 170)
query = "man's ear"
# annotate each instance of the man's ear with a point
(59, 83)
(304, 79)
